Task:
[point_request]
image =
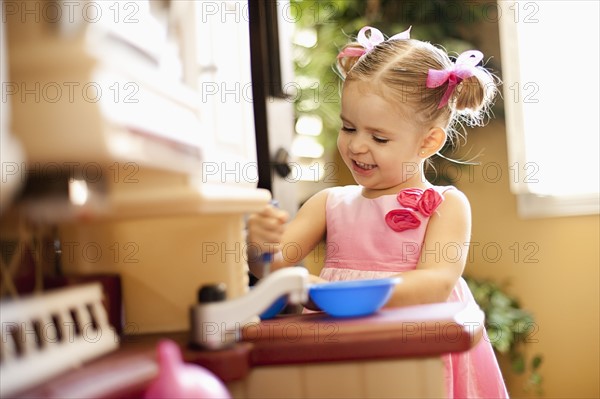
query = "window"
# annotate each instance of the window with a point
(550, 72)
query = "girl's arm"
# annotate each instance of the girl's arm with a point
(292, 242)
(443, 255)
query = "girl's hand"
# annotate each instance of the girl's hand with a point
(265, 229)
(312, 279)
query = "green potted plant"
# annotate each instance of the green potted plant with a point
(509, 327)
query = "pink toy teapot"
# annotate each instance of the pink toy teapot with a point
(177, 379)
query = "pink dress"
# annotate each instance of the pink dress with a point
(362, 243)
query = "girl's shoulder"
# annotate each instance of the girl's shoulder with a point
(453, 199)
(450, 191)
(318, 200)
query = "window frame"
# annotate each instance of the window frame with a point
(529, 203)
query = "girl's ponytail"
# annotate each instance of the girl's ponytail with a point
(468, 89)
(348, 57)
(474, 96)
(352, 52)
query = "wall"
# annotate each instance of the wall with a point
(559, 283)
(555, 272)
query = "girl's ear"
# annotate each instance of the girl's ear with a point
(433, 141)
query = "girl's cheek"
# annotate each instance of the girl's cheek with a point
(340, 143)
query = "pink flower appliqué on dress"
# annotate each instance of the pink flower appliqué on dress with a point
(409, 198)
(426, 202)
(402, 219)
(429, 202)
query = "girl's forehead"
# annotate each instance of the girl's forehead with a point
(357, 91)
(362, 87)
(363, 105)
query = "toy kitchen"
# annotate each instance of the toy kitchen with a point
(134, 143)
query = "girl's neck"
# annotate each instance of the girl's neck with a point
(417, 181)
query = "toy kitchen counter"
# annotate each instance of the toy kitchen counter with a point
(393, 353)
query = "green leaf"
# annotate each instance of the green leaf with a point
(500, 300)
(536, 362)
(535, 379)
(518, 363)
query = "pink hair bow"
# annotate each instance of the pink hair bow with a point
(370, 42)
(463, 68)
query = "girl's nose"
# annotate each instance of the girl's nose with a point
(357, 144)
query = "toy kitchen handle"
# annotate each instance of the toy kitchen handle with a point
(281, 163)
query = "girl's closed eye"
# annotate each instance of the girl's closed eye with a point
(380, 140)
(348, 129)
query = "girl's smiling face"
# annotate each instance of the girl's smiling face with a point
(381, 148)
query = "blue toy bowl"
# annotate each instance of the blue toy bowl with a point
(353, 298)
(275, 308)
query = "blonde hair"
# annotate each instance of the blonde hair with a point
(398, 70)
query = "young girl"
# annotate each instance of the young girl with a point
(400, 100)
